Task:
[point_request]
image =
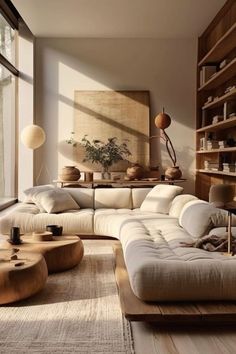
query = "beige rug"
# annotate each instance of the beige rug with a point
(77, 312)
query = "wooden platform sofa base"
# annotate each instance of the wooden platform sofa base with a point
(135, 309)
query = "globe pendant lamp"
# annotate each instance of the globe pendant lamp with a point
(33, 136)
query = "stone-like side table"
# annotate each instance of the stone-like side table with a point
(17, 283)
(62, 253)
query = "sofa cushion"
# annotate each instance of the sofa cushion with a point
(117, 198)
(29, 219)
(159, 199)
(111, 222)
(178, 203)
(55, 201)
(84, 197)
(31, 192)
(161, 269)
(138, 196)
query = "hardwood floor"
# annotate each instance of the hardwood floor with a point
(151, 339)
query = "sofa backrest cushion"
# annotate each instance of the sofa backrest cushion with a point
(138, 196)
(116, 198)
(30, 193)
(159, 199)
(199, 217)
(84, 197)
(178, 203)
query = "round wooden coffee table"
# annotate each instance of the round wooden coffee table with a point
(17, 283)
(62, 253)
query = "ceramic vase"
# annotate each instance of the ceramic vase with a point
(173, 173)
(136, 171)
(70, 173)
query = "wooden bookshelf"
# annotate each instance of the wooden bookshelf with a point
(229, 149)
(224, 124)
(220, 100)
(222, 47)
(218, 42)
(221, 173)
(220, 77)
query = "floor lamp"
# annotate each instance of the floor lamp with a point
(33, 136)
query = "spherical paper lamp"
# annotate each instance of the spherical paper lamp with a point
(33, 136)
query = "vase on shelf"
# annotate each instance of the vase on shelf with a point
(70, 173)
(173, 172)
(135, 171)
(105, 174)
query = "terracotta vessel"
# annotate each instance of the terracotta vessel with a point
(136, 171)
(70, 173)
(173, 173)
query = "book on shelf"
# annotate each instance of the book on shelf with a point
(211, 166)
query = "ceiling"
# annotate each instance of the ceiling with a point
(118, 18)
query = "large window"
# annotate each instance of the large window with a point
(7, 40)
(8, 82)
(7, 133)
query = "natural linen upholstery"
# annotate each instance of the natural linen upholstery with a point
(159, 199)
(198, 218)
(117, 198)
(159, 267)
(55, 201)
(178, 203)
(31, 192)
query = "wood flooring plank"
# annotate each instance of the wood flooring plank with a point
(163, 343)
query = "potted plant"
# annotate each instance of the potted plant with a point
(105, 153)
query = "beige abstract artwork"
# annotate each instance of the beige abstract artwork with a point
(106, 114)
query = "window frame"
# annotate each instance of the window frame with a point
(12, 16)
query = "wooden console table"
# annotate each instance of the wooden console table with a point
(116, 184)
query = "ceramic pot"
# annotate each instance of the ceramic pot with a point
(70, 173)
(173, 173)
(136, 171)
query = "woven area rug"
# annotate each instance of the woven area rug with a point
(77, 312)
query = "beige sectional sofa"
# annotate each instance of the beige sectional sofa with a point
(151, 225)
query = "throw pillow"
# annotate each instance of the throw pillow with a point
(159, 199)
(178, 204)
(55, 200)
(31, 192)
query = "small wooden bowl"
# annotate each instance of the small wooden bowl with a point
(42, 236)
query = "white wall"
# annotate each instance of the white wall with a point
(167, 68)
